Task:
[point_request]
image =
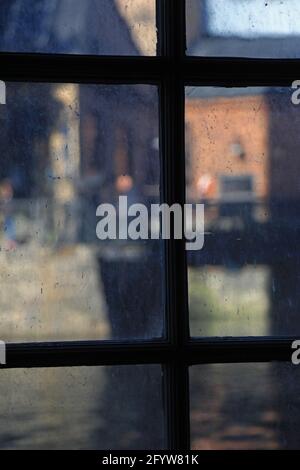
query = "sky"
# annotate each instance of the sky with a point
(254, 18)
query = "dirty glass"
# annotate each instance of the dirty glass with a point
(99, 27)
(243, 28)
(82, 408)
(242, 163)
(245, 406)
(66, 149)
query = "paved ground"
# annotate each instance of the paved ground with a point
(51, 294)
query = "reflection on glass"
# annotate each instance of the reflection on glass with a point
(245, 406)
(82, 408)
(242, 163)
(105, 27)
(243, 28)
(65, 149)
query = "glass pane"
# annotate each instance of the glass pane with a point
(243, 28)
(245, 406)
(66, 149)
(242, 164)
(82, 408)
(106, 27)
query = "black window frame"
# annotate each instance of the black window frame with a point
(171, 70)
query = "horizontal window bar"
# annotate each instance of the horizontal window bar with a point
(79, 69)
(240, 71)
(85, 353)
(197, 351)
(238, 350)
(120, 69)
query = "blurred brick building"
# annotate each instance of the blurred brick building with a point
(247, 138)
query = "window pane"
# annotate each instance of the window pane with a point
(66, 149)
(245, 406)
(243, 28)
(243, 164)
(106, 27)
(82, 408)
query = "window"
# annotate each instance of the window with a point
(167, 331)
(257, 28)
(234, 185)
(60, 27)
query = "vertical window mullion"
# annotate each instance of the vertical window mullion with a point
(171, 45)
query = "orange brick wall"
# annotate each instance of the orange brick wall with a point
(213, 126)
